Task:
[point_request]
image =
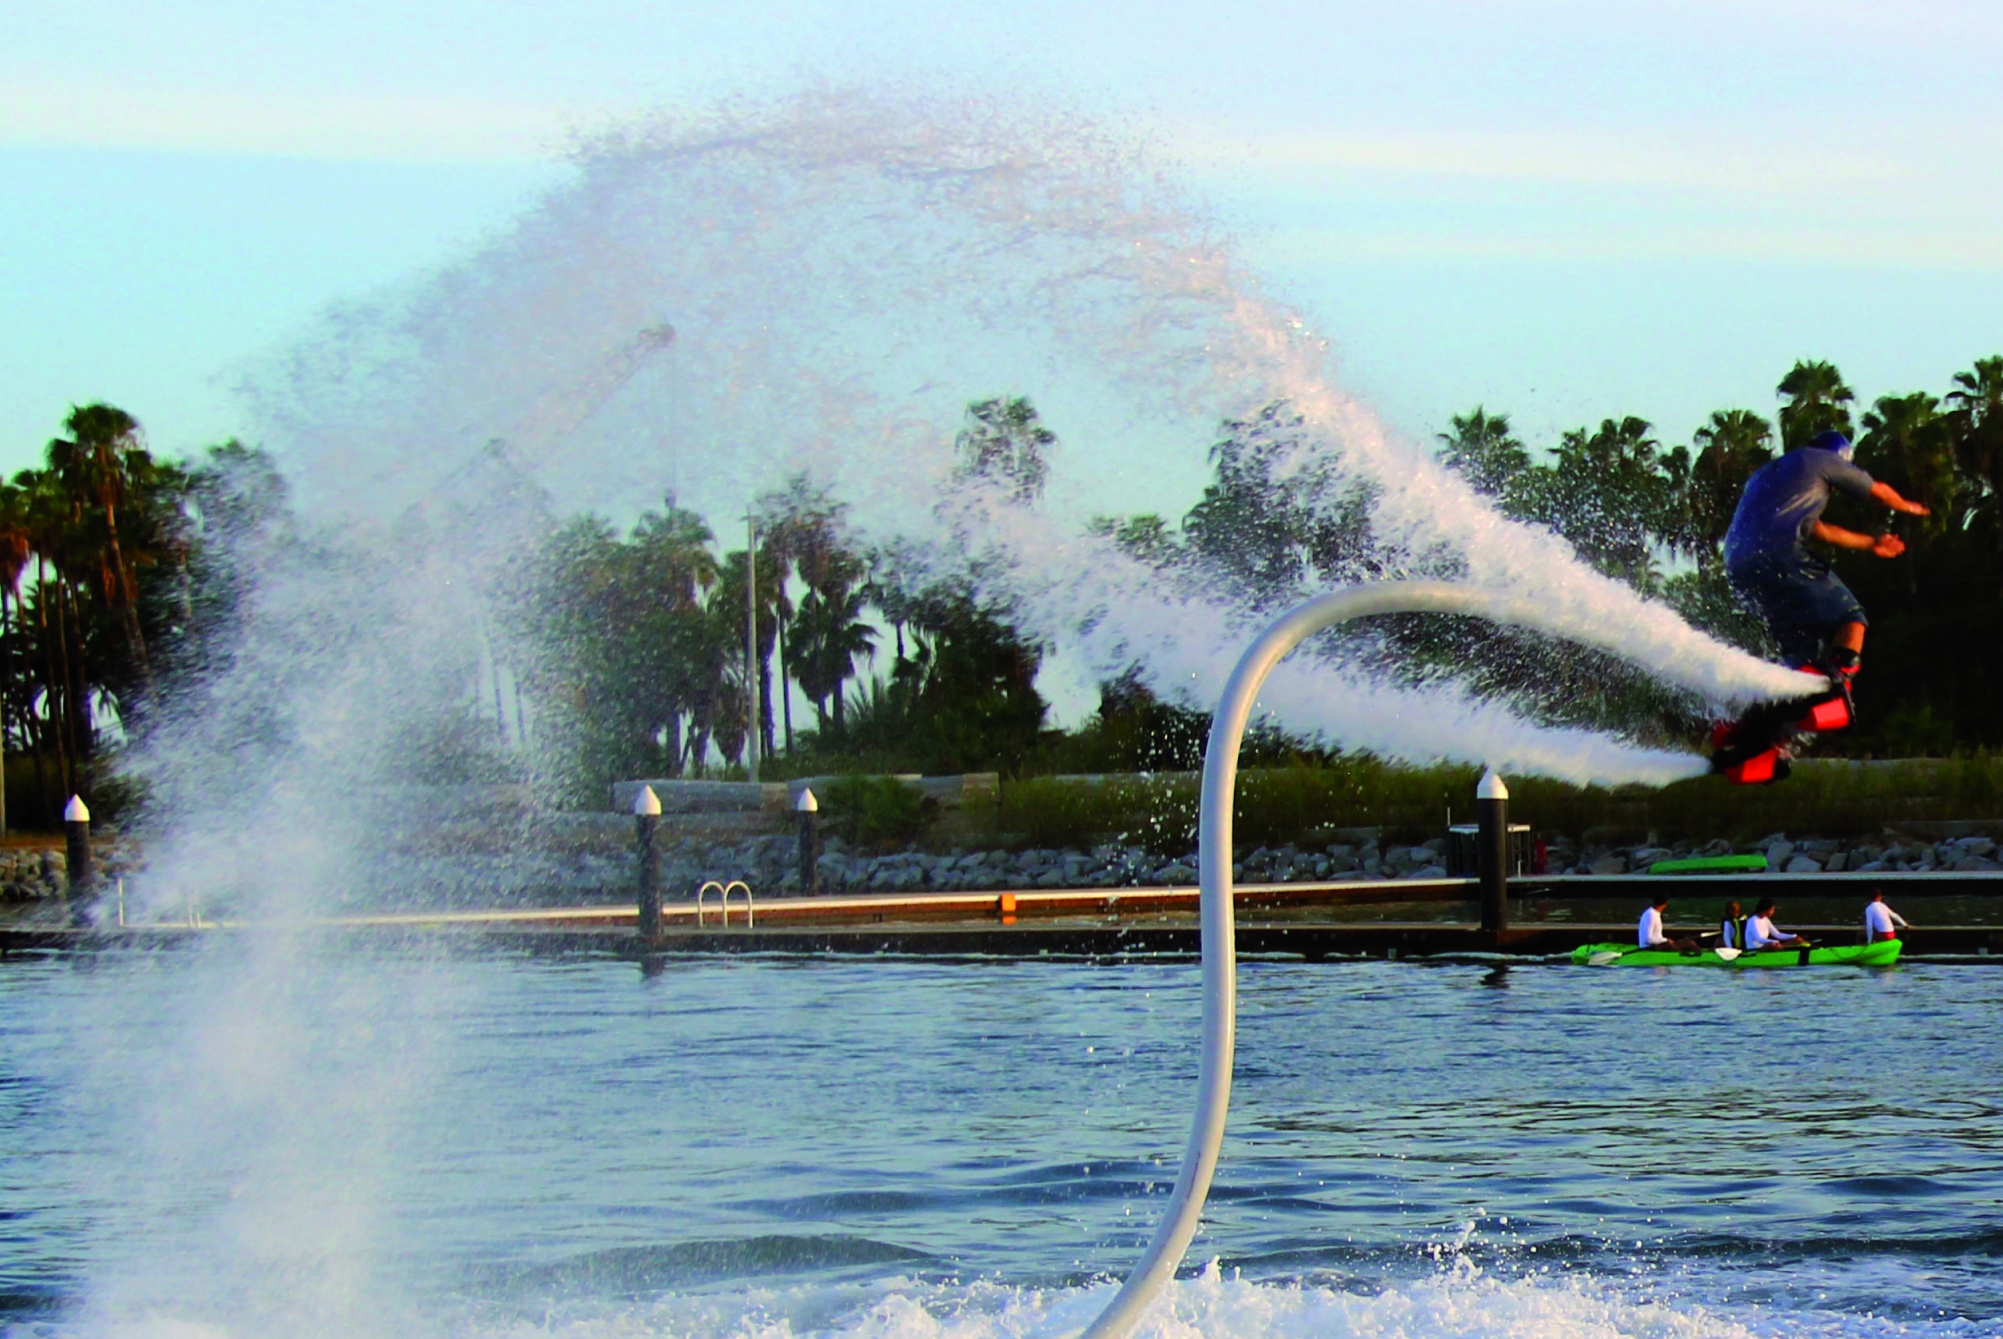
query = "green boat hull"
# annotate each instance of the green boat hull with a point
(1881, 954)
(1712, 864)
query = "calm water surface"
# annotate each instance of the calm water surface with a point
(263, 1138)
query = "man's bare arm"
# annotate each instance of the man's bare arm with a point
(1885, 546)
(1885, 493)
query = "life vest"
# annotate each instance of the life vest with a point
(1732, 932)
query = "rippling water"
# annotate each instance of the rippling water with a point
(413, 1145)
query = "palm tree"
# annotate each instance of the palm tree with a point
(1816, 402)
(102, 464)
(667, 567)
(1608, 493)
(14, 551)
(713, 660)
(803, 526)
(775, 607)
(1908, 443)
(1730, 447)
(1483, 449)
(828, 635)
(54, 534)
(1976, 422)
(727, 607)
(1005, 438)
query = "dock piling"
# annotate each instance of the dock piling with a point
(808, 810)
(1492, 851)
(82, 875)
(647, 822)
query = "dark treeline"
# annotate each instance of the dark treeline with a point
(1656, 517)
(117, 579)
(636, 644)
(627, 649)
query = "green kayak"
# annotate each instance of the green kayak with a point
(1712, 864)
(1882, 954)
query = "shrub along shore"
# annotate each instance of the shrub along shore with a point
(1353, 818)
(1308, 805)
(769, 863)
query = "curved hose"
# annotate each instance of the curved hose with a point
(1220, 955)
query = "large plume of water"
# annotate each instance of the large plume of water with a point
(715, 305)
(720, 302)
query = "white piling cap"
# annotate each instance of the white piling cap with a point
(76, 811)
(807, 804)
(1491, 787)
(647, 804)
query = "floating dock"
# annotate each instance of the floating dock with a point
(1307, 920)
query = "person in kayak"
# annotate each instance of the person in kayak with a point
(1761, 934)
(1732, 928)
(1879, 920)
(1813, 617)
(1649, 933)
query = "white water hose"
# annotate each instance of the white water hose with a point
(1220, 955)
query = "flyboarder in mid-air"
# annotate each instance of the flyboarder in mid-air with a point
(1815, 620)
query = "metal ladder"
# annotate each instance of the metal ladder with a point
(723, 892)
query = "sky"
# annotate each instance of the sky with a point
(1564, 211)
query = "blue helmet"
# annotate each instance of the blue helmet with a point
(1832, 440)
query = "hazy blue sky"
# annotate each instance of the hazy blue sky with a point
(1564, 210)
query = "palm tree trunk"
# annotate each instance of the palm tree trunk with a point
(6, 699)
(128, 601)
(765, 704)
(59, 696)
(785, 688)
(82, 737)
(1996, 501)
(48, 739)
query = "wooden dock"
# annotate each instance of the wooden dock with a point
(1292, 919)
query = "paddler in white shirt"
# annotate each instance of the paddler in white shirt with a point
(1761, 934)
(1879, 920)
(1649, 934)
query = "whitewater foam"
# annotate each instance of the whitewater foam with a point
(1456, 1303)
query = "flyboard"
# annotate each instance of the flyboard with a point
(1881, 954)
(1758, 748)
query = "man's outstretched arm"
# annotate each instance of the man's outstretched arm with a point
(1885, 546)
(1889, 496)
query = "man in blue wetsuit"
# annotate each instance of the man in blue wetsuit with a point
(1812, 615)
